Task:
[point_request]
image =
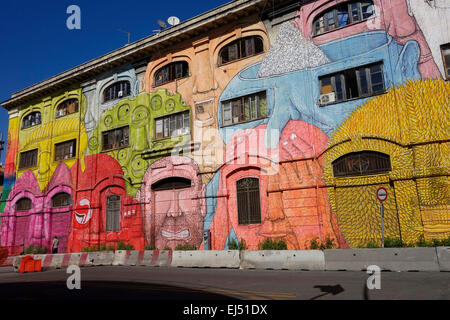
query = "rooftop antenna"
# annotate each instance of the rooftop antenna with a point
(173, 21)
(128, 33)
(162, 24)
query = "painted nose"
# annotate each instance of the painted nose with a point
(175, 208)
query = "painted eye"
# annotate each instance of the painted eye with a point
(170, 105)
(140, 114)
(122, 156)
(93, 143)
(108, 121)
(123, 111)
(156, 102)
(139, 166)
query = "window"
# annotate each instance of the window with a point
(61, 200)
(171, 72)
(361, 164)
(31, 120)
(117, 90)
(65, 150)
(243, 109)
(171, 183)
(113, 205)
(445, 49)
(175, 125)
(245, 47)
(23, 204)
(248, 201)
(353, 83)
(28, 159)
(342, 15)
(116, 138)
(67, 107)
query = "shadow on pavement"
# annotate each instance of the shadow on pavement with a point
(102, 290)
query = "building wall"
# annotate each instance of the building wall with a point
(291, 152)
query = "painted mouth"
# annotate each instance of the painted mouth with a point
(180, 235)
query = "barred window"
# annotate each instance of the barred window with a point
(445, 49)
(113, 206)
(117, 90)
(175, 125)
(342, 15)
(116, 138)
(23, 204)
(67, 107)
(28, 159)
(66, 150)
(31, 120)
(171, 184)
(61, 200)
(361, 164)
(171, 72)
(242, 48)
(244, 109)
(248, 201)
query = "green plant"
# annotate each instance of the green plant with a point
(186, 247)
(314, 244)
(423, 243)
(166, 248)
(272, 244)
(233, 245)
(149, 247)
(36, 250)
(371, 245)
(329, 243)
(123, 246)
(393, 243)
(110, 248)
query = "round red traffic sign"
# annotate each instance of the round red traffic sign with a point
(382, 194)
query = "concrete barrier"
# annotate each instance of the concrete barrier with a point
(443, 255)
(154, 258)
(388, 259)
(103, 258)
(283, 260)
(206, 259)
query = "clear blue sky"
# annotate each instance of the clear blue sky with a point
(35, 43)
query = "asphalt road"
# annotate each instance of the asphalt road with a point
(149, 283)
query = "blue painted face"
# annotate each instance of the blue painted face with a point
(295, 95)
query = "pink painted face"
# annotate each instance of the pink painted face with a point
(174, 203)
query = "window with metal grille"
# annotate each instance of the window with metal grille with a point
(242, 48)
(361, 164)
(67, 107)
(244, 109)
(343, 14)
(248, 201)
(61, 200)
(65, 150)
(175, 125)
(23, 204)
(445, 49)
(31, 120)
(171, 183)
(28, 159)
(113, 205)
(171, 72)
(116, 138)
(354, 83)
(117, 90)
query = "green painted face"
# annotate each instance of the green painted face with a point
(139, 115)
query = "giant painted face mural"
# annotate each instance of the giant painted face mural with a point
(42, 219)
(132, 126)
(172, 195)
(295, 94)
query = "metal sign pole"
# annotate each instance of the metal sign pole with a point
(382, 225)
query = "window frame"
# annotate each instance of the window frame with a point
(238, 48)
(172, 72)
(368, 74)
(112, 225)
(444, 47)
(335, 10)
(118, 147)
(377, 157)
(172, 183)
(66, 204)
(23, 127)
(34, 165)
(60, 144)
(60, 105)
(24, 210)
(116, 92)
(169, 121)
(242, 99)
(249, 205)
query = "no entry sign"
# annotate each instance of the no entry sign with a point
(382, 194)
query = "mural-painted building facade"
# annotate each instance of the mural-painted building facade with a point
(249, 122)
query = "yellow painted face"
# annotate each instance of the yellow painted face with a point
(44, 140)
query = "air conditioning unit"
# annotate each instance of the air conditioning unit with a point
(327, 98)
(120, 94)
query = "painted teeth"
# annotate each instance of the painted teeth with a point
(180, 235)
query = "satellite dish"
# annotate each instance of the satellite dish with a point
(162, 24)
(173, 21)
